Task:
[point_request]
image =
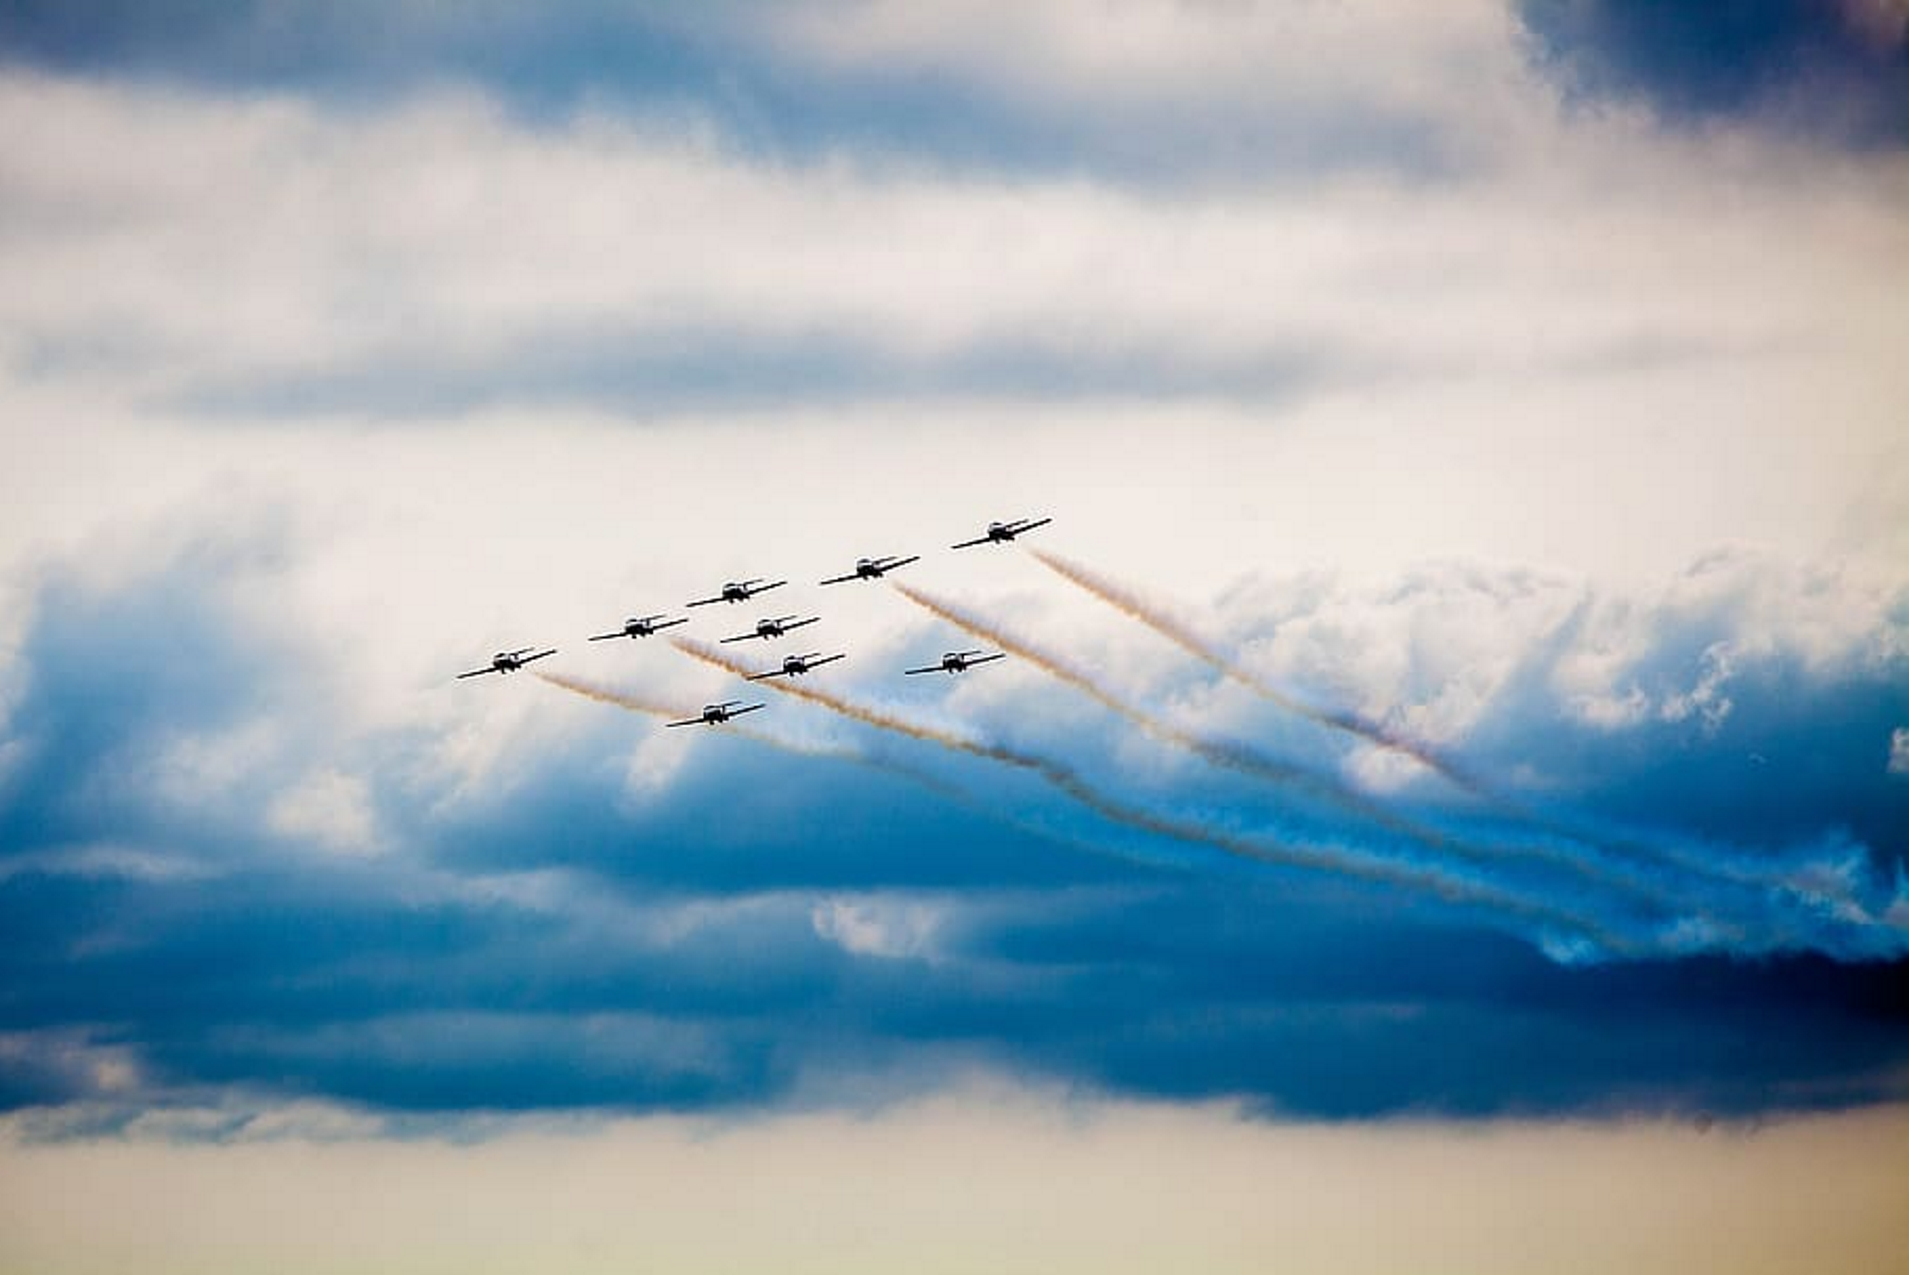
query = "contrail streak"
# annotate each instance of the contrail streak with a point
(1237, 757)
(1342, 861)
(1372, 732)
(621, 699)
(603, 695)
(1628, 848)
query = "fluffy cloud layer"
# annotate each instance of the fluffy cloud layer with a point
(1559, 445)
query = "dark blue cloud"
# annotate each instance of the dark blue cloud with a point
(1803, 64)
(742, 938)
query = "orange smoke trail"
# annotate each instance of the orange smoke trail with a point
(1232, 758)
(603, 695)
(1062, 778)
(1372, 732)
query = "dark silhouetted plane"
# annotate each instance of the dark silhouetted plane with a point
(999, 533)
(638, 626)
(872, 568)
(772, 627)
(797, 665)
(716, 714)
(957, 662)
(739, 591)
(509, 661)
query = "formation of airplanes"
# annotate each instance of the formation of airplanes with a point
(769, 627)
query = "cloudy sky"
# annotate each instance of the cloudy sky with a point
(1450, 776)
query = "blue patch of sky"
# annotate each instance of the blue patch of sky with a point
(1806, 65)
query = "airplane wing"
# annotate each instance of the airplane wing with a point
(983, 659)
(966, 544)
(687, 721)
(902, 562)
(738, 712)
(753, 590)
(538, 656)
(740, 637)
(604, 637)
(827, 659)
(932, 668)
(1028, 524)
(842, 579)
(479, 672)
(799, 623)
(703, 602)
(670, 624)
(759, 677)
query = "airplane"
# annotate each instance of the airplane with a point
(715, 714)
(773, 627)
(957, 661)
(738, 591)
(797, 665)
(509, 661)
(873, 568)
(641, 626)
(1000, 533)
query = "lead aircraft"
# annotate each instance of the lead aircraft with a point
(999, 533)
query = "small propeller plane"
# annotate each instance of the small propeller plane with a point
(772, 627)
(957, 662)
(739, 591)
(873, 568)
(716, 714)
(509, 661)
(999, 533)
(638, 626)
(797, 665)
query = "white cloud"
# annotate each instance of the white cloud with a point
(878, 925)
(1899, 751)
(331, 808)
(1595, 350)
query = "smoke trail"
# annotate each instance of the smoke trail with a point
(1343, 861)
(604, 696)
(1229, 756)
(1701, 870)
(1240, 758)
(620, 699)
(1371, 731)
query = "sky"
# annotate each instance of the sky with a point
(1453, 740)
